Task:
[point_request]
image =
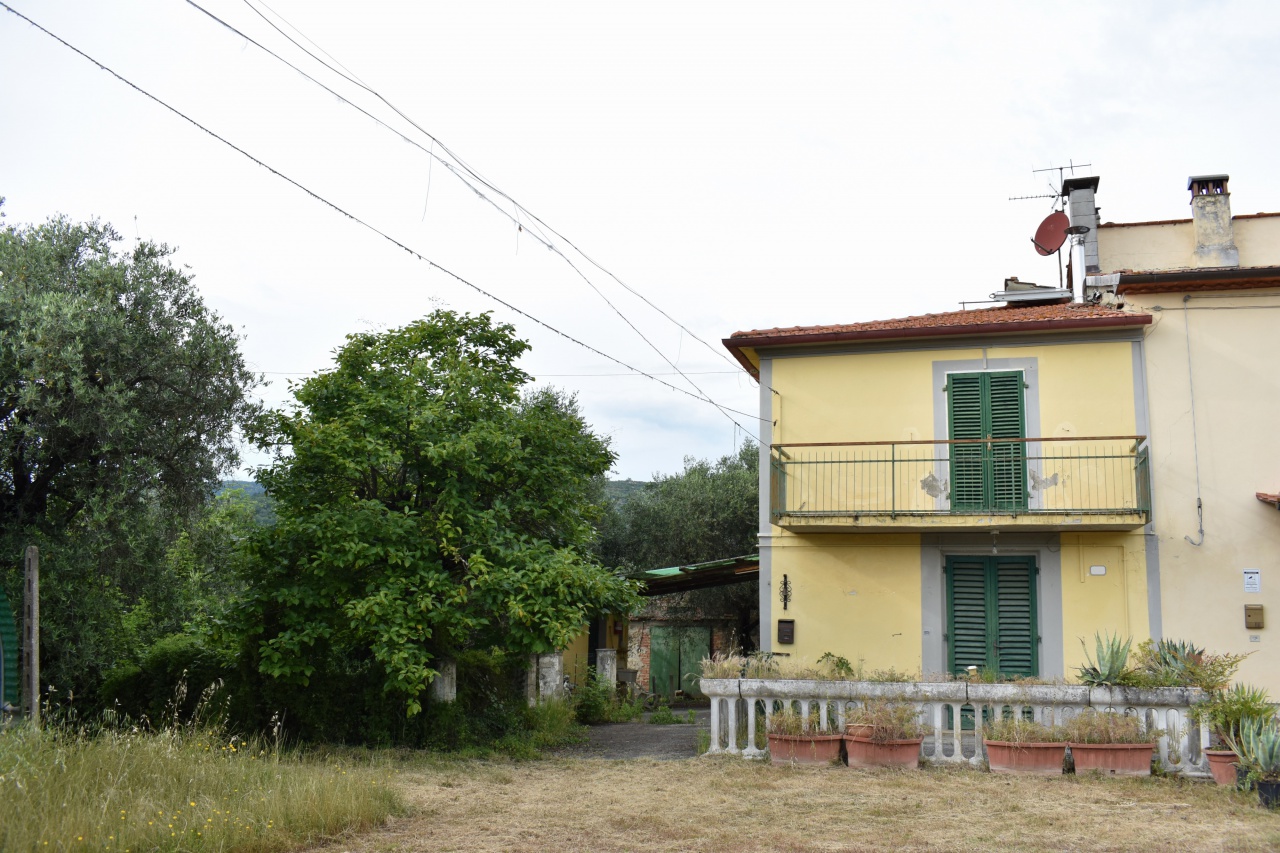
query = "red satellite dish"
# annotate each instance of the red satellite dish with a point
(1052, 233)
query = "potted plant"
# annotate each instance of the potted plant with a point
(1223, 713)
(893, 739)
(1111, 743)
(794, 739)
(1017, 745)
(1258, 746)
(856, 724)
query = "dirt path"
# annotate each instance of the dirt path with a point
(641, 740)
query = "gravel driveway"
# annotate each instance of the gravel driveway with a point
(642, 740)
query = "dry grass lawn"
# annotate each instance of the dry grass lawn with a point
(727, 804)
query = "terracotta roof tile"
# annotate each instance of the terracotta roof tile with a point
(1274, 500)
(972, 320)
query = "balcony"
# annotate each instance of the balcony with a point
(1101, 483)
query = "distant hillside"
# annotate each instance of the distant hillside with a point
(620, 490)
(263, 507)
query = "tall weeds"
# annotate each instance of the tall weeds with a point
(122, 789)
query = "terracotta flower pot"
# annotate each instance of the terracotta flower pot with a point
(1028, 759)
(804, 749)
(1222, 764)
(859, 730)
(1113, 759)
(864, 752)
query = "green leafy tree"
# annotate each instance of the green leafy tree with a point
(120, 396)
(708, 511)
(424, 507)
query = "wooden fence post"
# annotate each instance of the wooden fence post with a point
(31, 635)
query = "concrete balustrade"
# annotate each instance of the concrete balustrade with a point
(942, 705)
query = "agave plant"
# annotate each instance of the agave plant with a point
(1112, 657)
(1258, 746)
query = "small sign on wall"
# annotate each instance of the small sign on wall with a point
(1252, 580)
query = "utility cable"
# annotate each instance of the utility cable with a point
(723, 409)
(514, 219)
(350, 77)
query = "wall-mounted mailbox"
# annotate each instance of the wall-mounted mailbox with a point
(1253, 616)
(786, 631)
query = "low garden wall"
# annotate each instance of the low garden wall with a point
(737, 703)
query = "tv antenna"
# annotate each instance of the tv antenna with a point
(1057, 191)
(1056, 227)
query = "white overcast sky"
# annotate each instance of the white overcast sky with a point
(742, 165)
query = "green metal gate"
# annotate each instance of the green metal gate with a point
(675, 654)
(8, 654)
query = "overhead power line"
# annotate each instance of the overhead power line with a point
(703, 398)
(350, 77)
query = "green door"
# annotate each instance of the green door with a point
(8, 654)
(991, 615)
(675, 655)
(987, 475)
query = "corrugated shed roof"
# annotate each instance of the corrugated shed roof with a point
(968, 321)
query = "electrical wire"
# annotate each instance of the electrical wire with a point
(350, 77)
(723, 409)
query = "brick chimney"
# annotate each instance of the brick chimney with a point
(1211, 217)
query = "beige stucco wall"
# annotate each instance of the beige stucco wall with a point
(1237, 430)
(1171, 246)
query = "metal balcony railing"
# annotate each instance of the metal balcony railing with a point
(1107, 475)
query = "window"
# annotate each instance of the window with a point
(991, 475)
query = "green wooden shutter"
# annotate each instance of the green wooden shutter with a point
(967, 641)
(1016, 651)
(992, 475)
(964, 410)
(8, 654)
(1008, 467)
(991, 615)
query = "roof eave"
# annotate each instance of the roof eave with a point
(762, 341)
(1233, 278)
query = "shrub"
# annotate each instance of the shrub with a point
(789, 722)
(1227, 708)
(664, 717)
(1177, 663)
(889, 720)
(1016, 729)
(167, 686)
(593, 699)
(1107, 727)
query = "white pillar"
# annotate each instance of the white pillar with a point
(444, 688)
(607, 665)
(550, 676)
(715, 727)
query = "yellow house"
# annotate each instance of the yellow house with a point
(954, 490)
(990, 487)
